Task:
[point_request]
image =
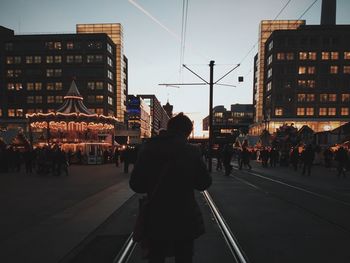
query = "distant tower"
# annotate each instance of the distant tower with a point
(329, 12)
(168, 109)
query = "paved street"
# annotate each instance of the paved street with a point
(276, 215)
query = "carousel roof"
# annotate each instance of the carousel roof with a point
(73, 102)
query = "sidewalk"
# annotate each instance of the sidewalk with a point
(44, 218)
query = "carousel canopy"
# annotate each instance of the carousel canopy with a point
(73, 102)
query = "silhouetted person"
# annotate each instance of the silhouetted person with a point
(341, 157)
(219, 158)
(273, 156)
(294, 158)
(264, 157)
(125, 156)
(227, 153)
(28, 159)
(116, 156)
(328, 155)
(308, 156)
(169, 169)
(245, 159)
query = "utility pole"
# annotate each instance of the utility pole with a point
(211, 85)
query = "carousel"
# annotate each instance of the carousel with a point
(75, 128)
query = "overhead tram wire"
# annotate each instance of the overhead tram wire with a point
(183, 34)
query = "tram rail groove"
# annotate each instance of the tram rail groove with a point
(231, 241)
(126, 251)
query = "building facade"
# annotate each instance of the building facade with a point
(36, 71)
(115, 32)
(139, 116)
(159, 117)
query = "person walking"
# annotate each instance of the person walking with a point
(219, 157)
(227, 153)
(294, 158)
(342, 158)
(169, 169)
(116, 156)
(308, 156)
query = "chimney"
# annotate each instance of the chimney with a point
(329, 12)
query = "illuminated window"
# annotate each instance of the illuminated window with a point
(58, 59)
(9, 73)
(269, 73)
(90, 58)
(29, 59)
(311, 83)
(310, 111)
(30, 86)
(11, 113)
(50, 99)
(91, 85)
(346, 70)
(37, 85)
(334, 55)
(49, 59)
(347, 55)
(37, 59)
(269, 60)
(30, 99)
(311, 70)
(99, 111)
(99, 85)
(278, 111)
(110, 74)
(303, 56)
(301, 97)
(98, 58)
(70, 45)
(50, 86)
(345, 97)
(333, 69)
(325, 56)
(322, 111)
(332, 111)
(78, 59)
(59, 99)
(49, 73)
(110, 87)
(302, 70)
(99, 98)
(110, 101)
(290, 56)
(57, 45)
(323, 97)
(344, 111)
(9, 60)
(70, 59)
(58, 85)
(8, 46)
(269, 86)
(38, 99)
(310, 97)
(312, 56)
(10, 86)
(280, 56)
(300, 111)
(17, 60)
(18, 86)
(109, 48)
(19, 112)
(58, 72)
(109, 61)
(332, 97)
(270, 45)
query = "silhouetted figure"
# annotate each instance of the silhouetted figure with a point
(79, 156)
(328, 155)
(125, 157)
(273, 157)
(307, 157)
(245, 159)
(227, 153)
(294, 158)
(169, 169)
(116, 156)
(219, 157)
(342, 158)
(28, 159)
(264, 157)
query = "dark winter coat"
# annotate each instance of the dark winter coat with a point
(178, 168)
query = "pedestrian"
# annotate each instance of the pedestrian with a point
(169, 169)
(219, 157)
(125, 156)
(227, 153)
(116, 156)
(342, 158)
(264, 157)
(245, 159)
(307, 157)
(294, 158)
(28, 159)
(328, 155)
(273, 156)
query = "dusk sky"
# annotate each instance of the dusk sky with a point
(221, 30)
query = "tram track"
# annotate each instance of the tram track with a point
(295, 204)
(236, 251)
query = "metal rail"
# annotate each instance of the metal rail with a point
(126, 251)
(229, 237)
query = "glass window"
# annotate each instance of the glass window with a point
(323, 97)
(334, 55)
(280, 56)
(311, 70)
(78, 59)
(270, 45)
(322, 111)
(325, 56)
(98, 58)
(269, 73)
(58, 86)
(99, 111)
(347, 55)
(91, 99)
(302, 70)
(110, 87)
(50, 86)
(278, 111)
(301, 97)
(18, 86)
(90, 58)
(8, 46)
(10, 86)
(290, 56)
(17, 60)
(30, 86)
(38, 85)
(109, 48)
(344, 111)
(19, 112)
(300, 111)
(310, 97)
(49, 59)
(269, 60)
(49, 73)
(99, 85)
(303, 56)
(37, 59)
(110, 74)
(91, 85)
(312, 55)
(50, 99)
(58, 59)
(345, 97)
(311, 83)
(58, 72)
(11, 113)
(9, 60)
(59, 99)
(346, 70)
(109, 61)
(30, 99)
(310, 111)
(99, 98)
(332, 97)
(332, 111)
(70, 59)
(57, 45)
(70, 45)
(110, 101)
(333, 69)
(9, 73)
(29, 59)
(38, 99)
(269, 86)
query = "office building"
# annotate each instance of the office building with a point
(36, 72)
(139, 117)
